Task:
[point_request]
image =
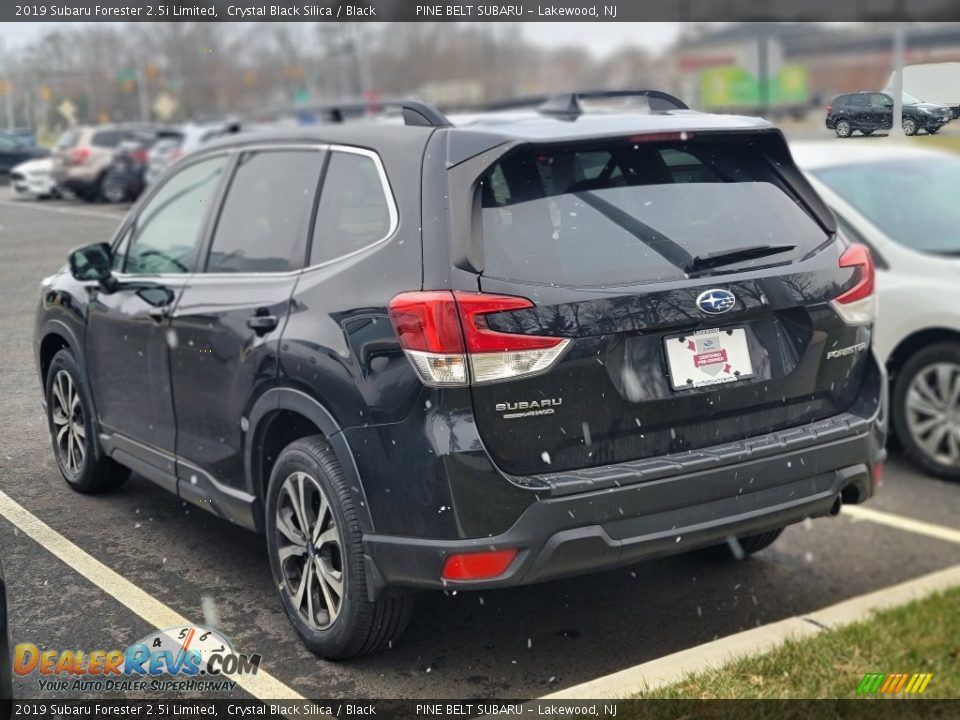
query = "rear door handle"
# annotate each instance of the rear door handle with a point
(262, 324)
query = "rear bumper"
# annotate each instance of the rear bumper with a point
(604, 517)
(570, 535)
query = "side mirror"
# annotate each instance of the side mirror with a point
(93, 262)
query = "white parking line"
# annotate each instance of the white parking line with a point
(262, 686)
(855, 512)
(117, 217)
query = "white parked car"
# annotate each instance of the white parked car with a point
(903, 203)
(34, 179)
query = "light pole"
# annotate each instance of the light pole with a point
(899, 43)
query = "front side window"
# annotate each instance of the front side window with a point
(354, 211)
(265, 219)
(164, 235)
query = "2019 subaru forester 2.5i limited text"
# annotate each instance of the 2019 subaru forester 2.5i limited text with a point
(512, 348)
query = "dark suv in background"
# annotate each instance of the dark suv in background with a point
(511, 348)
(869, 111)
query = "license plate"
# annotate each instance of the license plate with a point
(708, 357)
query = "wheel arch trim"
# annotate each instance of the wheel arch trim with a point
(297, 401)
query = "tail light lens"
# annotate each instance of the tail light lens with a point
(140, 156)
(857, 305)
(829, 108)
(447, 339)
(78, 156)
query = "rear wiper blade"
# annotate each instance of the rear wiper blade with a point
(735, 255)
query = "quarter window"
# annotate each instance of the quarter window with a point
(165, 234)
(265, 220)
(354, 211)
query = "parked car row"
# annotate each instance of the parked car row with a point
(112, 163)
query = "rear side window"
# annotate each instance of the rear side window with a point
(107, 138)
(354, 209)
(626, 213)
(265, 219)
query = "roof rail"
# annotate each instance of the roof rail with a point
(568, 104)
(414, 111)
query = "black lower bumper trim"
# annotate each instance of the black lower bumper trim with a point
(574, 534)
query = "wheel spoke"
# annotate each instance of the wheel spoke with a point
(931, 443)
(321, 517)
(331, 577)
(919, 403)
(288, 531)
(330, 535)
(79, 431)
(333, 605)
(304, 582)
(294, 495)
(926, 389)
(288, 551)
(311, 615)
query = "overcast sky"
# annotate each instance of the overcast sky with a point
(600, 38)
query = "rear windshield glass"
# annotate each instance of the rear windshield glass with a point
(625, 213)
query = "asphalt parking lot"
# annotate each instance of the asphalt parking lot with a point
(510, 644)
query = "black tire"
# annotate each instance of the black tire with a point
(933, 130)
(749, 544)
(357, 626)
(94, 472)
(113, 189)
(843, 128)
(867, 132)
(945, 353)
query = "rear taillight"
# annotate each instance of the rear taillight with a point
(78, 156)
(857, 305)
(446, 336)
(139, 156)
(829, 108)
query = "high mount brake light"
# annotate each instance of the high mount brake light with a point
(447, 339)
(857, 305)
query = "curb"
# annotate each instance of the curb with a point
(672, 668)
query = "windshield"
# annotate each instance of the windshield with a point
(913, 201)
(909, 99)
(624, 213)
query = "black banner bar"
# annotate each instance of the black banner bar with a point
(507, 11)
(865, 708)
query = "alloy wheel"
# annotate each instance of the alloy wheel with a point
(310, 551)
(933, 412)
(909, 127)
(68, 422)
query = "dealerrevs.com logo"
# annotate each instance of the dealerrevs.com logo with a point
(189, 658)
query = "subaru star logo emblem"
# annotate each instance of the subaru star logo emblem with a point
(716, 301)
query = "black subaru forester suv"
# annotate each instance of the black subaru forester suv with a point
(513, 348)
